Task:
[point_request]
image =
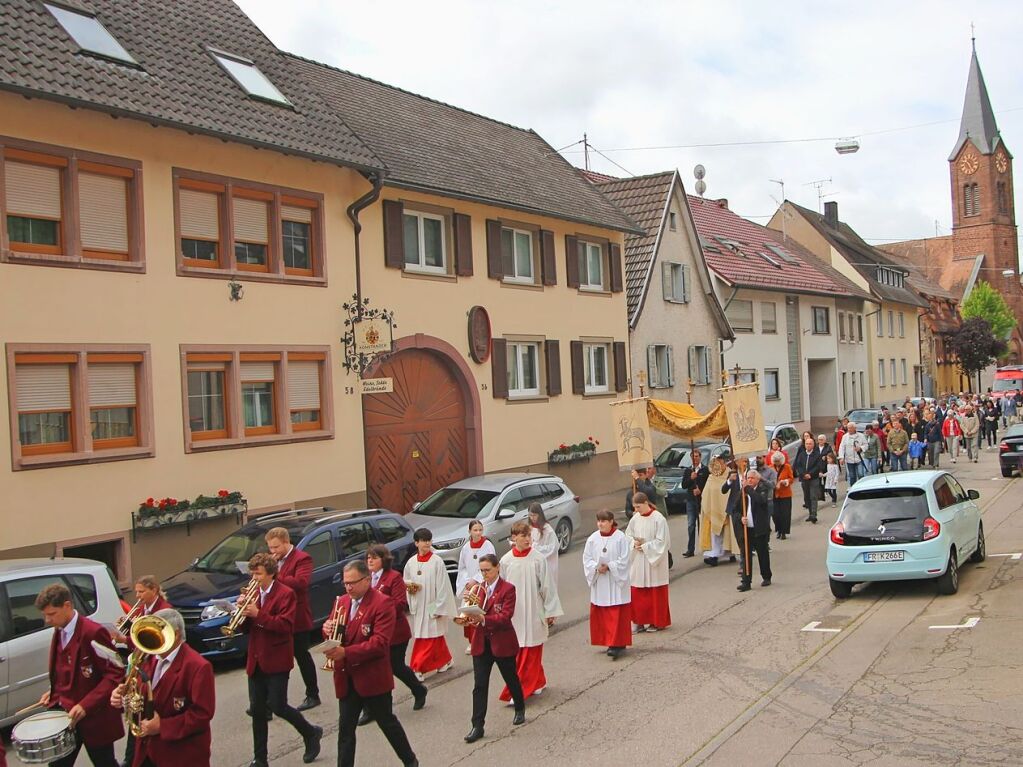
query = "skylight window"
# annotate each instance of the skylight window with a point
(770, 260)
(89, 34)
(781, 253)
(250, 78)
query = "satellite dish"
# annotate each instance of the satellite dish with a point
(701, 187)
(699, 171)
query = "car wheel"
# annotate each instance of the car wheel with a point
(840, 589)
(1006, 471)
(980, 553)
(564, 533)
(949, 582)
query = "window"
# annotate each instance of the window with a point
(275, 234)
(89, 34)
(321, 549)
(523, 369)
(675, 282)
(880, 373)
(672, 223)
(743, 377)
(251, 395)
(53, 383)
(390, 530)
(841, 326)
(768, 317)
(902, 325)
(354, 538)
(771, 384)
(591, 266)
(905, 371)
(21, 601)
(863, 386)
(893, 380)
(740, 316)
(250, 78)
(880, 324)
(517, 255)
(971, 200)
(891, 324)
(845, 393)
(1003, 207)
(821, 321)
(859, 327)
(660, 370)
(699, 365)
(595, 368)
(424, 242)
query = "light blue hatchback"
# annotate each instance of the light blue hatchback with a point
(905, 525)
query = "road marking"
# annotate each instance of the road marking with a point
(812, 626)
(969, 624)
(1017, 555)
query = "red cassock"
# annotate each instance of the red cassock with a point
(497, 626)
(295, 572)
(611, 625)
(79, 676)
(271, 640)
(393, 585)
(185, 700)
(367, 661)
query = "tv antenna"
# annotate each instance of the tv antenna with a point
(819, 185)
(781, 205)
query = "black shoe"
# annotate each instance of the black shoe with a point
(269, 714)
(413, 763)
(711, 561)
(258, 763)
(609, 651)
(474, 734)
(420, 700)
(311, 701)
(312, 745)
(765, 582)
(687, 554)
(744, 586)
(364, 718)
(732, 558)
(615, 652)
(520, 717)
(814, 520)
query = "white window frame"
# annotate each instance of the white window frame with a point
(421, 266)
(880, 373)
(674, 274)
(515, 277)
(763, 317)
(859, 328)
(769, 374)
(891, 323)
(700, 355)
(863, 387)
(585, 281)
(905, 372)
(841, 327)
(518, 357)
(902, 324)
(589, 360)
(894, 370)
(880, 323)
(845, 390)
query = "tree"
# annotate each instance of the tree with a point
(976, 347)
(987, 303)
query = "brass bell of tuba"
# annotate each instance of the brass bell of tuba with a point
(472, 600)
(151, 635)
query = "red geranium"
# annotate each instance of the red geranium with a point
(223, 493)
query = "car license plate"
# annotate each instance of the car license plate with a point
(884, 556)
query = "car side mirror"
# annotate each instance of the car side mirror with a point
(505, 513)
(974, 495)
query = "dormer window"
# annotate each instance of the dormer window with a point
(89, 34)
(893, 277)
(250, 78)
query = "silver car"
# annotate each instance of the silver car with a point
(25, 639)
(498, 500)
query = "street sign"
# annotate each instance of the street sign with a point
(377, 385)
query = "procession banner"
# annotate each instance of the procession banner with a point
(682, 420)
(745, 419)
(632, 434)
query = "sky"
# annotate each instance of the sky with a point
(671, 74)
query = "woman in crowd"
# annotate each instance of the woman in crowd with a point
(782, 496)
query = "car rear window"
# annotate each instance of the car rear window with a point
(884, 515)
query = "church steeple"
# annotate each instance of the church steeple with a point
(978, 121)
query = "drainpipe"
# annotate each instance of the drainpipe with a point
(353, 213)
(721, 342)
(920, 354)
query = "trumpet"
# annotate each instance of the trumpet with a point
(340, 617)
(249, 595)
(123, 623)
(152, 636)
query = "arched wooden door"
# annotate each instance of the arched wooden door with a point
(416, 435)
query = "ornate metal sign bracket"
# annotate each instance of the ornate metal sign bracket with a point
(369, 333)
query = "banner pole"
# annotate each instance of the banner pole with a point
(747, 565)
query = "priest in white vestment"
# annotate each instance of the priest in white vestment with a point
(716, 538)
(606, 565)
(544, 540)
(649, 542)
(430, 602)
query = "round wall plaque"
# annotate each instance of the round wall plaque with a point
(479, 334)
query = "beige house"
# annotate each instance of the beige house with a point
(186, 209)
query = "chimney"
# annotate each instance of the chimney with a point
(722, 202)
(831, 214)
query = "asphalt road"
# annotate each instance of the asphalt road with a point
(737, 680)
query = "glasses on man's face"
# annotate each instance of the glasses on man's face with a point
(487, 571)
(349, 584)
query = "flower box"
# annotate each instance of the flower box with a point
(570, 457)
(170, 512)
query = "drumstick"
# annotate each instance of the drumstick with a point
(28, 708)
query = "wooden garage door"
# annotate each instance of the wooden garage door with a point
(415, 435)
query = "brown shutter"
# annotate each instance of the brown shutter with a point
(462, 225)
(578, 372)
(552, 351)
(548, 266)
(616, 269)
(494, 266)
(499, 367)
(572, 261)
(621, 372)
(394, 234)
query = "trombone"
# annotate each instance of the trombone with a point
(129, 617)
(151, 635)
(248, 596)
(339, 615)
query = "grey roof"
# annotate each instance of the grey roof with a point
(178, 83)
(978, 122)
(438, 148)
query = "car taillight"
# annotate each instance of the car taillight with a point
(931, 528)
(838, 534)
(1004, 447)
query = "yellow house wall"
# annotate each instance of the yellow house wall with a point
(898, 348)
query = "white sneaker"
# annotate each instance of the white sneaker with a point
(539, 691)
(420, 677)
(445, 667)
(468, 649)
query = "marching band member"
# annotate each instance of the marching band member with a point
(80, 680)
(184, 700)
(648, 536)
(606, 566)
(270, 622)
(544, 540)
(469, 567)
(362, 669)
(430, 600)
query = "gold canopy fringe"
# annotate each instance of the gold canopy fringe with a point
(682, 420)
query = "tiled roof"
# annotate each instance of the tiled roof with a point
(735, 249)
(435, 147)
(179, 83)
(978, 120)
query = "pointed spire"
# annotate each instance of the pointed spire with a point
(978, 122)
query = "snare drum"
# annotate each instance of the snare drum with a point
(44, 737)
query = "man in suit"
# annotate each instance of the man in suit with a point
(80, 680)
(184, 700)
(694, 479)
(295, 570)
(362, 666)
(494, 641)
(269, 622)
(758, 522)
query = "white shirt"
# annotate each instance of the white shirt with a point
(264, 593)
(375, 578)
(67, 632)
(163, 664)
(354, 609)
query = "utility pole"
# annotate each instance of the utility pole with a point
(586, 152)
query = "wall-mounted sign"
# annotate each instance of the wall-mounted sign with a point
(377, 385)
(372, 336)
(479, 334)
(369, 333)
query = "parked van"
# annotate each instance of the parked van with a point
(1008, 381)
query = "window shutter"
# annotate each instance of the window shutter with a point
(200, 214)
(667, 289)
(250, 220)
(694, 366)
(394, 234)
(499, 366)
(578, 371)
(548, 264)
(32, 190)
(303, 385)
(572, 261)
(257, 371)
(671, 365)
(621, 366)
(111, 384)
(652, 373)
(552, 352)
(103, 210)
(687, 282)
(43, 388)
(297, 214)
(462, 225)
(495, 269)
(616, 268)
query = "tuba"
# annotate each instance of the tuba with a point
(472, 602)
(248, 596)
(151, 635)
(339, 615)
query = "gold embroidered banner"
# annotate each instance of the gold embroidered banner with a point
(745, 419)
(632, 434)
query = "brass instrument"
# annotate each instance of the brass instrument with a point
(471, 610)
(122, 623)
(340, 617)
(249, 595)
(152, 636)
(412, 587)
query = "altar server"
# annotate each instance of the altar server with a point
(544, 539)
(430, 602)
(606, 567)
(648, 538)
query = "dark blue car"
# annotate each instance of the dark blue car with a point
(331, 538)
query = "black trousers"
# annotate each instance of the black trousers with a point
(271, 690)
(379, 707)
(100, 756)
(782, 515)
(306, 665)
(482, 665)
(402, 672)
(760, 545)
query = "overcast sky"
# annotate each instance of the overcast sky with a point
(653, 74)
